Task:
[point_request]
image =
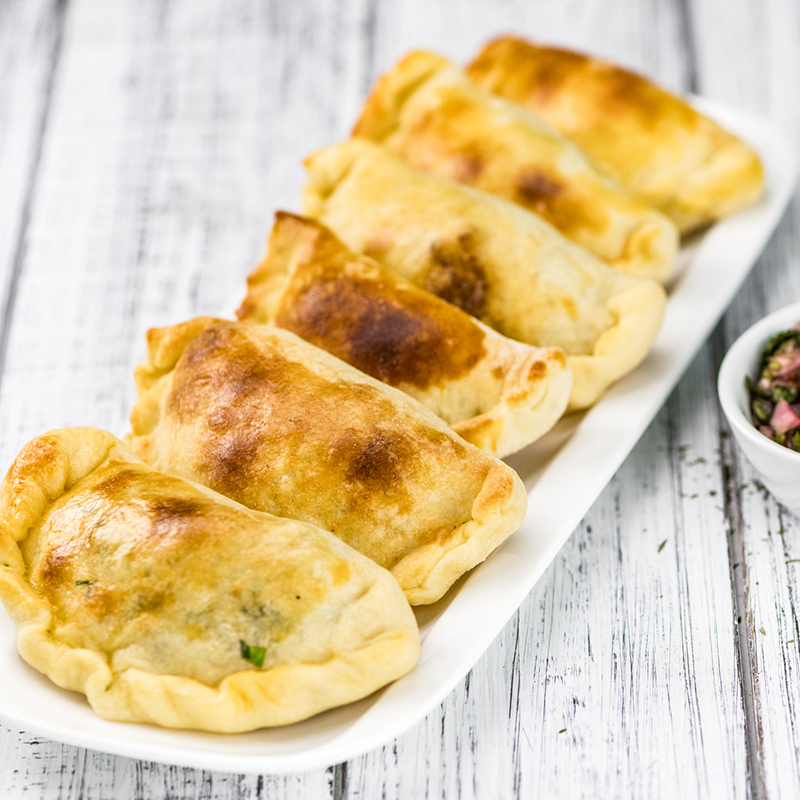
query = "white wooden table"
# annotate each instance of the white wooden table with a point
(145, 144)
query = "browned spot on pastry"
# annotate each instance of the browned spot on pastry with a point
(467, 168)
(620, 92)
(537, 371)
(377, 246)
(99, 600)
(540, 77)
(56, 566)
(539, 72)
(521, 392)
(373, 465)
(258, 407)
(429, 143)
(38, 455)
(394, 335)
(498, 373)
(234, 442)
(171, 516)
(540, 192)
(145, 602)
(163, 510)
(121, 484)
(373, 462)
(457, 276)
(216, 384)
(537, 188)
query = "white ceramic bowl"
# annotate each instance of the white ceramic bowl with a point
(779, 467)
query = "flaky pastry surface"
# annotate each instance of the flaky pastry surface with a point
(166, 603)
(259, 415)
(651, 141)
(428, 112)
(498, 262)
(498, 394)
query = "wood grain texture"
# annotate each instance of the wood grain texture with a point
(30, 45)
(168, 137)
(738, 67)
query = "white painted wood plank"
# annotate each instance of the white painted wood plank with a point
(32, 767)
(771, 542)
(751, 56)
(29, 45)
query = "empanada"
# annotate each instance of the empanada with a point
(258, 414)
(648, 139)
(428, 112)
(509, 268)
(166, 603)
(498, 394)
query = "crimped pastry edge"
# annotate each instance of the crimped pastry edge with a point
(243, 701)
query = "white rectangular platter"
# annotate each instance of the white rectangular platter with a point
(564, 474)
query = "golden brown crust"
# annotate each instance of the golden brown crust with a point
(428, 112)
(490, 257)
(138, 589)
(651, 141)
(358, 311)
(279, 425)
(497, 394)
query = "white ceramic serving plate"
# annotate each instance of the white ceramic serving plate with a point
(564, 474)
(778, 466)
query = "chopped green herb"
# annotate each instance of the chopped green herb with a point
(255, 655)
(793, 560)
(662, 545)
(563, 730)
(6, 565)
(88, 585)
(763, 632)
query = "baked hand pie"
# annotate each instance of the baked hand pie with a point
(166, 603)
(498, 262)
(428, 112)
(498, 394)
(651, 141)
(261, 416)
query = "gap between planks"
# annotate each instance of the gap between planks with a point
(744, 627)
(20, 249)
